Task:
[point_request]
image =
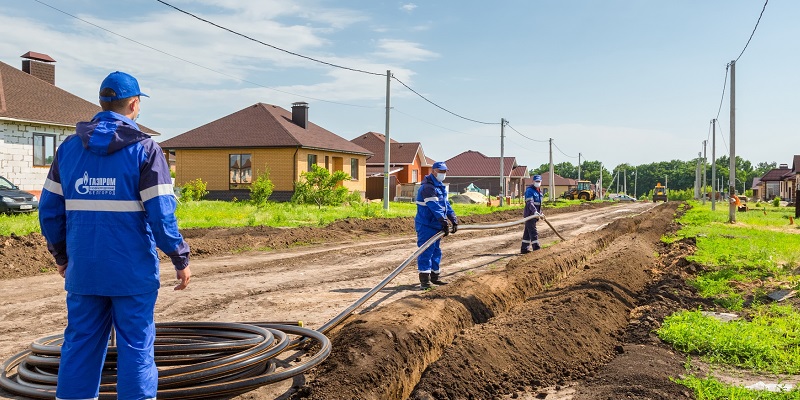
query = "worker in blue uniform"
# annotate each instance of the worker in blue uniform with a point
(434, 215)
(106, 205)
(533, 205)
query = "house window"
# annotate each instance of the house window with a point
(44, 149)
(241, 171)
(312, 160)
(773, 190)
(414, 176)
(354, 169)
(327, 163)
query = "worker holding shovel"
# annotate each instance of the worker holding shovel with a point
(533, 205)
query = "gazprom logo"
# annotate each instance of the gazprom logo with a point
(87, 185)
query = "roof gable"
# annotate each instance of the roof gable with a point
(27, 98)
(261, 125)
(399, 153)
(474, 164)
(775, 174)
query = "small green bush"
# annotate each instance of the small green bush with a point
(776, 202)
(261, 189)
(193, 190)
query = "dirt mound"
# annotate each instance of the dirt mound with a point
(27, 255)
(549, 316)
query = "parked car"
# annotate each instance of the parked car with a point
(14, 200)
(621, 197)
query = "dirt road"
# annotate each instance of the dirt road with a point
(608, 261)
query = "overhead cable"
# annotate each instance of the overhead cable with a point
(754, 30)
(562, 152)
(724, 85)
(196, 64)
(520, 133)
(440, 107)
(267, 44)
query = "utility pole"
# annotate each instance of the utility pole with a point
(602, 195)
(704, 172)
(625, 181)
(386, 145)
(502, 166)
(635, 180)
(579, 166)
(552, 174)
(732, 173)
(713, 164)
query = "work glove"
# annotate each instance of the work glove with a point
(454, 221)
(445, 226)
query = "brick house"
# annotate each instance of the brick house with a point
(35, 117)
(228, 153)
(408, 163)
(777, 182)
(472, 167)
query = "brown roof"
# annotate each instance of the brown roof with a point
(557, 181)
(400, 153)
(261, 125)
(776, 174)
(27, 98)
(475, 164)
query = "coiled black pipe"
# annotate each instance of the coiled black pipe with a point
(198, 360)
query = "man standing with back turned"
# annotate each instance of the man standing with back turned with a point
(106, 204)
(433, 212)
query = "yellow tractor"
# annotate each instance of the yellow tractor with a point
(583, 191)
(659, 193)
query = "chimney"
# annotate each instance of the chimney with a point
(784, 166)
(40, 65)
(300, 114)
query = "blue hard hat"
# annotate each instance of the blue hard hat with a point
(440, 165)
(537, 177)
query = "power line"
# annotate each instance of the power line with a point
(196, 64)
(562, 152)
(440, 107)
(754, 30)
(723, 137)
(724, 85)
(438, 126)
(535, 140)
(267, 44)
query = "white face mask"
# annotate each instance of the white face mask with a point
(537, 183)
(440, 176)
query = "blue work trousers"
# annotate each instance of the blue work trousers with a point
(428, 261)
(89, 321)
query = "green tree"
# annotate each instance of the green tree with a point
(261, 188)
(320, 187)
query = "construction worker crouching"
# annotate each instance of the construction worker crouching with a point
(533, 205)
(433, 214)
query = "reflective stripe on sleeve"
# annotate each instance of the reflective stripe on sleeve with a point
(427, 199)
(157, 190)
(104, 205)
(53, 187)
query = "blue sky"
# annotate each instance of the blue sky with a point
(616, 81)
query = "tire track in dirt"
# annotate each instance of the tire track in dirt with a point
(546, 317)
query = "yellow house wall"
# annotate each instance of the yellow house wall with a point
(212, 166)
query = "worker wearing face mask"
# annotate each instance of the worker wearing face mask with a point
(533, 205)
(433, 214)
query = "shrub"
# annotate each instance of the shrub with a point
(776, 202)
(261, 189)
(320, 187)
(193, 190)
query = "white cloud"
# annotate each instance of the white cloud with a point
(408, 7)
(403, 50)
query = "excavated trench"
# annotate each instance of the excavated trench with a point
(547, 317)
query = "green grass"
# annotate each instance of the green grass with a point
(710, 388)
(769, 342)
(210, 214)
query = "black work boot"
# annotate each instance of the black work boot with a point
(435, 279)
(424, 281)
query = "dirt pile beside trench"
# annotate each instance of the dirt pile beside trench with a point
(27, 255)
(551, 315)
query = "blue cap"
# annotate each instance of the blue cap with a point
(122, 84)
(537, 178)
(440, 165)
